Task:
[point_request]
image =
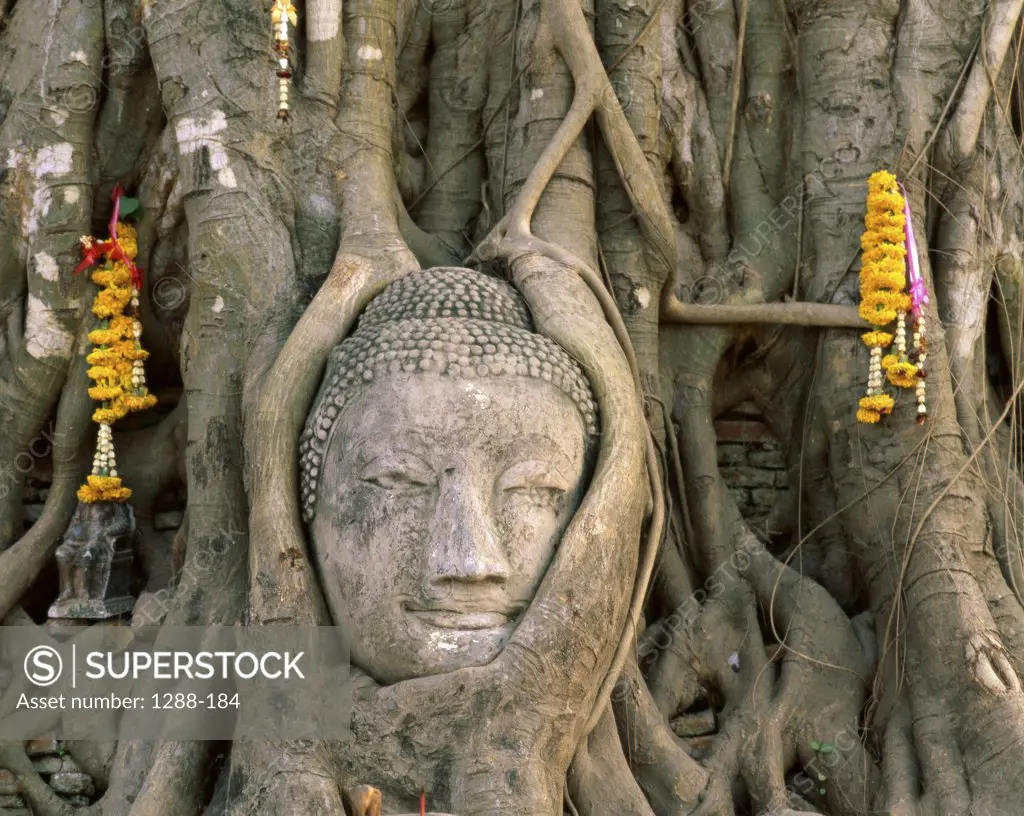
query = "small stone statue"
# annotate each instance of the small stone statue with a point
(94, 561)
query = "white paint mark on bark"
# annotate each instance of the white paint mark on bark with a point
(48, 45)
(44, 335)
(218, 304)
(536, 93)
(71, 195)
(369, 53)
(53, 160)
(79, 56)
(322, 205)
(46, 266)
(193, 134)
(322, 19)
(643, 296)
(971, 313)
(49, 160)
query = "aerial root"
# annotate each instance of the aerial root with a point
(668, 776)
(599, 778)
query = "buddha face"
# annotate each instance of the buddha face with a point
(439, 509)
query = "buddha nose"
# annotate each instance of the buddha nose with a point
(463, 547)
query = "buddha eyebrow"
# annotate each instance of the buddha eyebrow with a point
(394, 439)
(541, 441)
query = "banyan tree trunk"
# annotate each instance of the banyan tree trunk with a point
(695, 172)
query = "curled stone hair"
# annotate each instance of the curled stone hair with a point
(449, 321)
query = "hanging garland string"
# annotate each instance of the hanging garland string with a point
(889, 267)
(919, 299)
(282, 14)
(115, 363)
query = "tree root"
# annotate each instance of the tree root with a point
(670, 779)
(599, 779)
(43, 160)
(22, 563)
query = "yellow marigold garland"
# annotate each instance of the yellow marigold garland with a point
(116, 359)
(887, 273)
(882, 281)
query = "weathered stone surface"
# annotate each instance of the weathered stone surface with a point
(69, 764)
(698, 724)
(94, 563)
(42, 747)
(8, 800)
(763, 498)
(7, 784)
(742, 431)
(731, 454)
(68, 782)
(699, 747)
(170, 520)
(765, 458)
(748, 477)
(31, 513)
(47, 764)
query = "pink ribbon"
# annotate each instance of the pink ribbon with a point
(116, 196)
(918, 292)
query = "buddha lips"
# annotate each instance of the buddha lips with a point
(889, 268)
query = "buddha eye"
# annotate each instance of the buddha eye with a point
(533, 478)
(398, 473)
(397, 480)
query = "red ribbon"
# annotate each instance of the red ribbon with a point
(91, 255)
(423, 802)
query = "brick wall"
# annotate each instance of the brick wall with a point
(57, 769)
(752, 461)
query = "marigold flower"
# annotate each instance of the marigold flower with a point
(881, 237)
(876, 339)
(870, 417)
(101, 373)
(902, 374)
(876, 313)
(128, 240)
(881, 299)
(103, 488)
(111, 301)
(105, 393)
(117, 276)
(877, 250)
(882, 403)
(135, 403)
(884, 220)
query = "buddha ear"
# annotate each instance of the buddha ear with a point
(567, 617)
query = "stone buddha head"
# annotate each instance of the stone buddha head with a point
(447, 450)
